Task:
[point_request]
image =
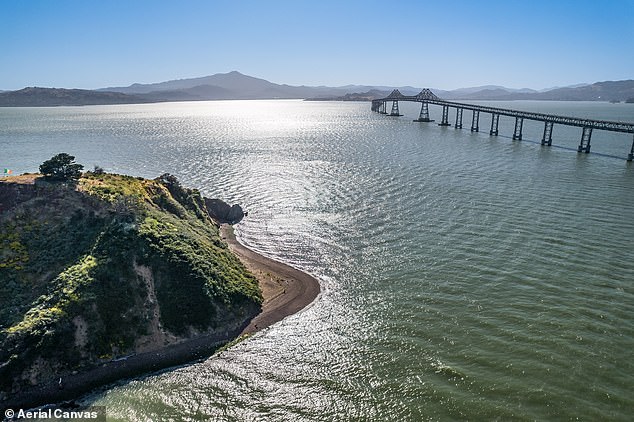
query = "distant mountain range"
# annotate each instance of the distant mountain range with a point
(236, 86)
(615, 91)
(598, 91)
(225, 86)
(46, 97)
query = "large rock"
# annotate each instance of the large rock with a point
(223, 212)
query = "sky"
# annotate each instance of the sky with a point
(438, 44)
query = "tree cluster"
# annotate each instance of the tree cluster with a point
(61, 167)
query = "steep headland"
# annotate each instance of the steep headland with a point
(108, 267)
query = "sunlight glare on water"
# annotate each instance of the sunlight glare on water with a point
(463, 276)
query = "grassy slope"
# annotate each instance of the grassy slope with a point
(71, 294)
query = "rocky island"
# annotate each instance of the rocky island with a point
(107, 276)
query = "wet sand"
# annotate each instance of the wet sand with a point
(286, 290)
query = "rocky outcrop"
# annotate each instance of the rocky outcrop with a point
(222, 212)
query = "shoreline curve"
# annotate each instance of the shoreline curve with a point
(286, 291)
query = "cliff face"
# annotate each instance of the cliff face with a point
(111, 266)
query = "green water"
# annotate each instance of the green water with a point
(464, 276)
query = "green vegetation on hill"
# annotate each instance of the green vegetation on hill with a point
(89, 270)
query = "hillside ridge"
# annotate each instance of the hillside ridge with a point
(108, 267)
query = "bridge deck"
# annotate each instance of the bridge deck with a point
(564, 120)
(427, 97)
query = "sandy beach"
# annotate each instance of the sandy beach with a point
(286, 290)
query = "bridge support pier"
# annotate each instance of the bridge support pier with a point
(395, 111)
(495, 118)
(458, 124)
(547, 139)
(584, 145)
(383, 108)
(445, 116)
(424, 113)
(475, 121)
(630, 156)
(517, 133)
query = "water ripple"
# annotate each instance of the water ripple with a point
(467, 277)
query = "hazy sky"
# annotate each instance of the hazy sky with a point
(440, 44)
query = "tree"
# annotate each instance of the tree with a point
(61, 167)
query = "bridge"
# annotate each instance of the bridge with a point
(426, 97)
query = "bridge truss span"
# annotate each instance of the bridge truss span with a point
(427, 97)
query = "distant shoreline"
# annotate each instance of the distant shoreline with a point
(286, 291)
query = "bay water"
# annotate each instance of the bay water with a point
(464, 276)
